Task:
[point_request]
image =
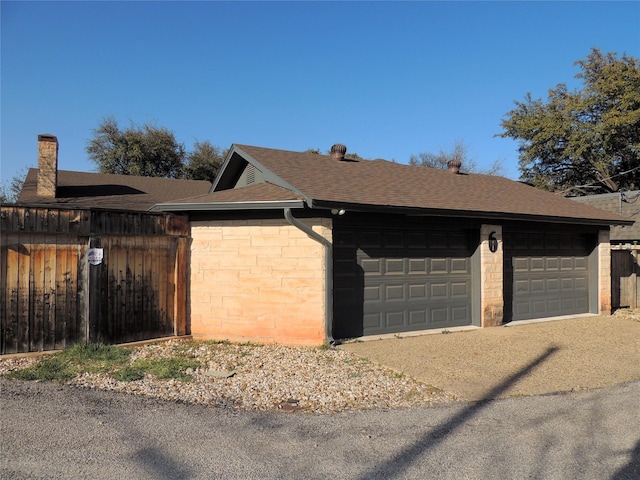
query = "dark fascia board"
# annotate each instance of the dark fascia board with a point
(328, 205)
(233, 165)
(227, 206)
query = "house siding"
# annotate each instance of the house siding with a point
(260, 280)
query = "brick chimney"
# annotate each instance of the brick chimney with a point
(47, 165)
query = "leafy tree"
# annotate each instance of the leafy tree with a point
(586, 141)
(9, 190)
(204, 162)
(458, 152)
(148, 150)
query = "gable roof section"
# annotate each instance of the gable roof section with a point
(625, 204)
(101, 190)
(379, 185)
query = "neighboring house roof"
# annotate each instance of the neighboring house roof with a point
(625, 204)
(322, 181)
(101, 190)
(259, 195)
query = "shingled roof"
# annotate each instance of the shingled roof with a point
(322, 181)
(626, 204)
(118, 192)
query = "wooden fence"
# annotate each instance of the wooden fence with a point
(52, 296)
(625, 288)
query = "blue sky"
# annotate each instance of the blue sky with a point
(387, 79)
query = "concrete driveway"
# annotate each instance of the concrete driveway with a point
(569, 354)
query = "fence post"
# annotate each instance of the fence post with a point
(634, 279)
(94, 294)
(181, 287)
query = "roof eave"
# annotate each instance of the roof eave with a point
(227, 206)
(415, 211)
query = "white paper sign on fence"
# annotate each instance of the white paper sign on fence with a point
(95, 256)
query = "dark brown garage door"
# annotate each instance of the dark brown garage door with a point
(549, 273)
(398, 280)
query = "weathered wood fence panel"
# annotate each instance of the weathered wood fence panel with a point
(625, 288)
(52, 297)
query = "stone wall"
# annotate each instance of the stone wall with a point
(491, 273)
(258, 280)
(604, 272)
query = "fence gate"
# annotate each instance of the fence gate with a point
(54, 296)
(625, 288)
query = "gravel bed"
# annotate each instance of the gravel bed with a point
(269, 377)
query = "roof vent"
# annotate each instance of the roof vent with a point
(337, 151)
(454, 165)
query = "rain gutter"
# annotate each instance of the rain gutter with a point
(226, 206)
(328, 271)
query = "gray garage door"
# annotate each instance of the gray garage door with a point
(550, 274)
(399, 280)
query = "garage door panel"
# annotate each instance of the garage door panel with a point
(438, 266)
(372, 293)
(416, 239)
(537, 286)
(394, 266)
(521, 309)
(582, 303)
(394, 320)
(550, 274)
(370, 239)
(542, 306)
(536, 264)
(567, 263)
(521, 264)
(460, 314)
(567, 285)
(439, 317)
(418, 291)
(581, 283)
(460, 265)
(372, 321)
(394, 293)
(438, 291)
(581, 263)
(371, 266)
(437, 240)
(393, 240)
(417, 266)
(521, 286)
(460, 289)
(410, 279)
(553, 285)
(553, 306)
(418, 318)
(552, 264)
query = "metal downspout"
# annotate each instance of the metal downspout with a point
(328, 269)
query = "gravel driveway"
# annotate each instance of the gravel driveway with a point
(573, 354)
(528, 359)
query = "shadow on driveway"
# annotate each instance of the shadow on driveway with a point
(394, 467)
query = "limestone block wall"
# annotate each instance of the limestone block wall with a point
(604, 272)
(491, 273)
(258, 280)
